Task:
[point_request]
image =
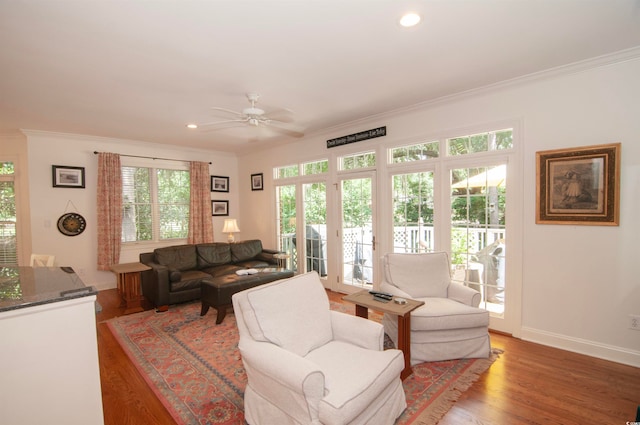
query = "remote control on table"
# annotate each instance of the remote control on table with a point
(384, 295)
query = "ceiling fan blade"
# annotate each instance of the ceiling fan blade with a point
(229, 111)
(286, 128)
(228, 126)
(282, 115)
(239, 120)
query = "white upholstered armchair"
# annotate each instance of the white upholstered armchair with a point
(449, 325)
(307, 364)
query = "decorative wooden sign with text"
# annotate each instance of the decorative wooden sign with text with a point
(357, 137)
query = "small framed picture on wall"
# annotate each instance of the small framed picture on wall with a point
(256, 182)
(64, 176)
(219, 184)
(219, 208)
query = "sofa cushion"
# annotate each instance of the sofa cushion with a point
(292, 313)
(404, 271)
(254, 264)
(213, 254)
(222, 270)
(179, 257)
(191, 279)
(245, 250)
(175, 275)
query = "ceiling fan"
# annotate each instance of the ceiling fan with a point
(279, 120)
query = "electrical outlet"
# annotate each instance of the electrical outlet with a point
(634, 322)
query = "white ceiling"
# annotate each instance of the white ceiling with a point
(141, 70)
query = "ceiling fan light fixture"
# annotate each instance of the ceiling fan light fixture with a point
(278, 120)
(410, 19)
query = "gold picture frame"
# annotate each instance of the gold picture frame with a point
(579, 186)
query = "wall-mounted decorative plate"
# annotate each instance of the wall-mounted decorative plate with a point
(71, 224)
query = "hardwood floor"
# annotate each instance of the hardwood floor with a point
(528, 384)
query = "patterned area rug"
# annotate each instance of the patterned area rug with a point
(194, 367)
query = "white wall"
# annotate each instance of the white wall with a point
(48, 203)
(579, 283)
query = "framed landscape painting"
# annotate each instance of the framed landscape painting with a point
(219, 184)
(579, 185)
(65, 176)
(220, 208)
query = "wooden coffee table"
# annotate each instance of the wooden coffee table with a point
(365, 301)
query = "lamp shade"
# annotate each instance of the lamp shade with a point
(230, 226)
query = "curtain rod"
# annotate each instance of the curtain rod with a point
(149, 157)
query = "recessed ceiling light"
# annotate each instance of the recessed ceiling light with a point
(192, 125)
(409, 20)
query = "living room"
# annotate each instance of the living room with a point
(575, 286)
(562, 303)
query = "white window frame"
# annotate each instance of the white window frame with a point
(153, 165)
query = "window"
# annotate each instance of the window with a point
(482, 142)
(315, 167)
(155, 204)
(358, 161)
(417, 152)
(286, 171)
(8, 240)
(305, 169)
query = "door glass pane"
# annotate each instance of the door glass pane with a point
(357, 232)
(413, 212)
(478, 237)
(286, 204)
(315, 233)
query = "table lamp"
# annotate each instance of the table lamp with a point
(230, 226)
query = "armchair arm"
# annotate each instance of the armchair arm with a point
(277, 374)
(463, 294)
(356, 330)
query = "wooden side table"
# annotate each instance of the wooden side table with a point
(364, 301)
(128, 276)
(282, 260)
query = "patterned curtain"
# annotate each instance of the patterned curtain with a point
(109, 209)
(200, 221)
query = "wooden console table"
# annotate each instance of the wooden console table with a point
(364, 301)
(128, 276)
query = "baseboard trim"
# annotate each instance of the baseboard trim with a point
(582, 346)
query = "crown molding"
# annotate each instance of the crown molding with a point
(621, 56)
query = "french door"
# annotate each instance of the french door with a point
(479, 200)
(357, 234)
(302, 226)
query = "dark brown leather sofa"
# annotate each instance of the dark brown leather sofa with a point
(177, 271)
